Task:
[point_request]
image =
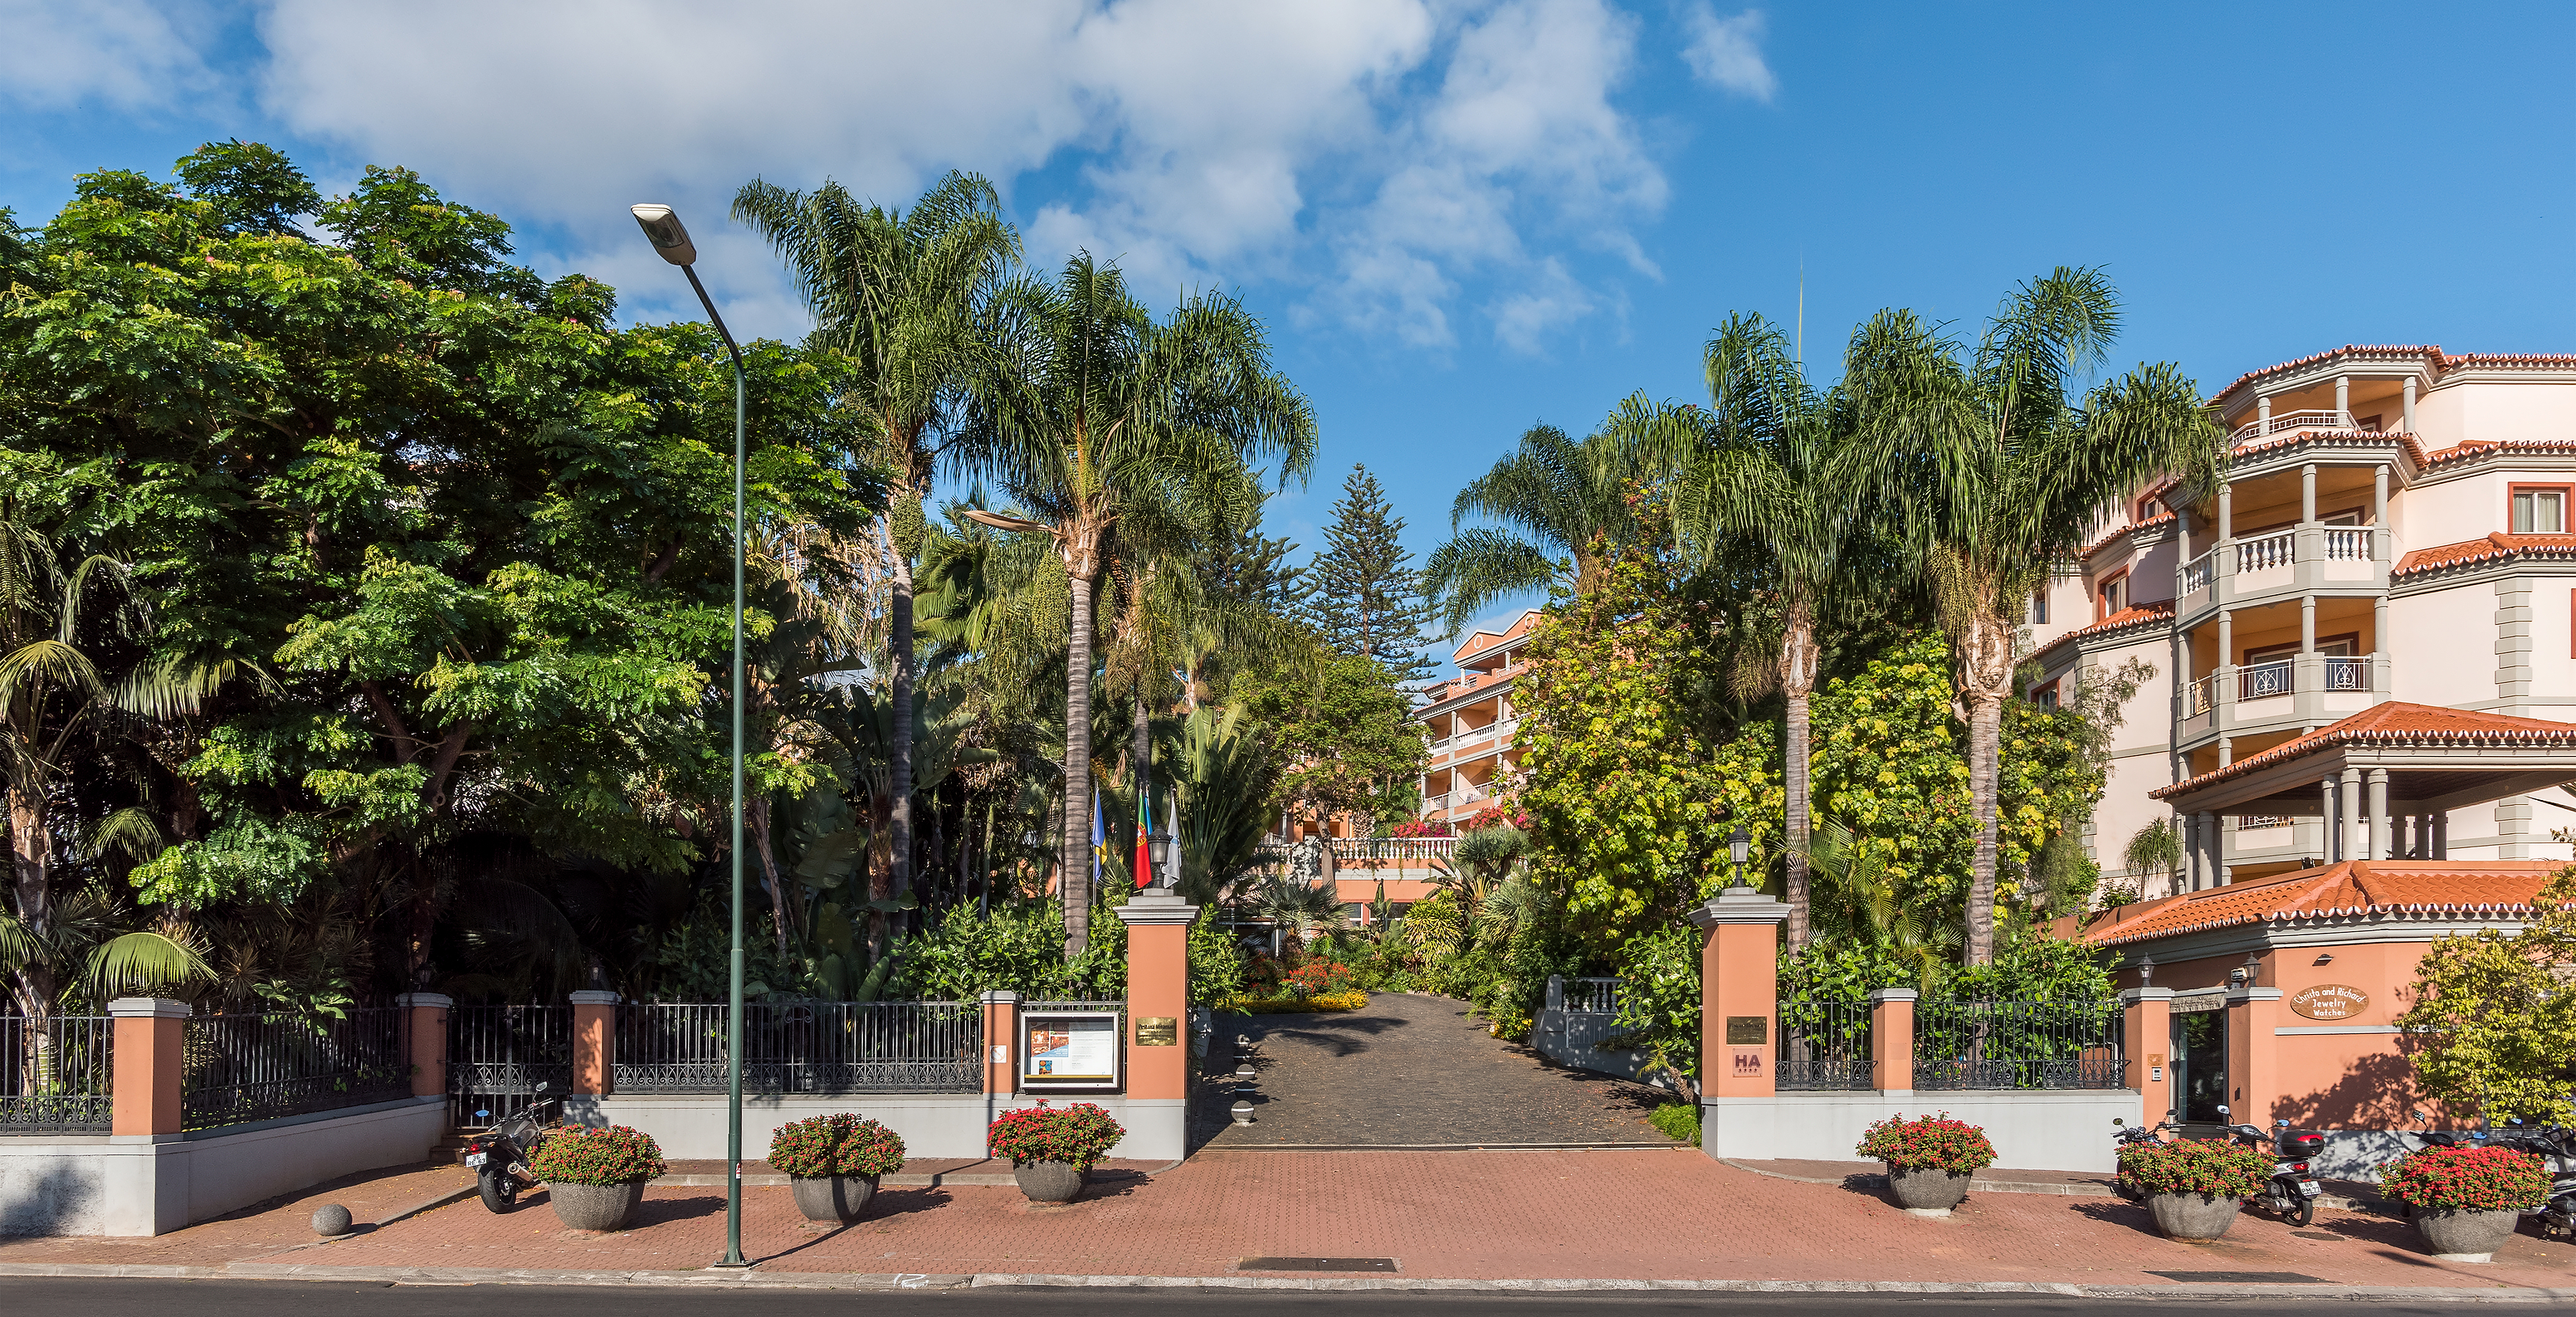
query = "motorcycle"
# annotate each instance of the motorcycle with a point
(2556, 1147)
(2292, 1192)
(499, 1156)
(2123, 1134)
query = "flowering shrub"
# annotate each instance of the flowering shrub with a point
(1080, 1134)
(1495, 816)
(2476, 1179)
(1328, 1002)
(2219, 1168)
(1928, 1143)
(1316, 977)
(615, 1155)
(838, 1144)
(1419, 828)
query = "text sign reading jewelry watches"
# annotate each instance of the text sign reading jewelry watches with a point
(1158, 1030)
(1748, 1029)
(1069, 1050)
(2329, 1001)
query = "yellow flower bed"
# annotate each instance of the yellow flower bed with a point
(1322, 1001)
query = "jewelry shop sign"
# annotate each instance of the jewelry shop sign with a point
(1069, 1050)
(2329, 1001)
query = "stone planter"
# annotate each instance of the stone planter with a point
(2199, 1217)
(1924, 1191)
(1047, 1182)
(594, 1206)
(837, 1199)
(2461, 1234)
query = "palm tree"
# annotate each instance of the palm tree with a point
(1480, 864)
(1295, 908)
(902, 298)
(1553, 497)
(1106, 426)
(1996, 469)
(1221, 781)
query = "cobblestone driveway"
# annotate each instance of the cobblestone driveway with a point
(1413, 1070)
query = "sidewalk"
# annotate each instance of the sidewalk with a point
(1650, 1214)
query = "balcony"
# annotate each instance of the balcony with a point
(2313, 420)
(1392, 852)
(2308, 558)
(2279, 693)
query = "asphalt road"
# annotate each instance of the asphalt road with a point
(105, 1297)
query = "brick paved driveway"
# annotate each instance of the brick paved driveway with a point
(1414, 1070)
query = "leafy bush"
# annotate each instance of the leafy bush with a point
(2220, 1168)
(2475, 1179)
(1016, 946)
(615, 1155)
(1216, 963)
(1081, 1134)
(1928, 1143)
(1679, 1120)
(841, 1143)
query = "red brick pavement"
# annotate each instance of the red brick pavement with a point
(1648, 1214)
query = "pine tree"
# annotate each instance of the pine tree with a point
(1367, 597)
(1243, 562)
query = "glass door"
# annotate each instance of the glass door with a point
(2200, 1066)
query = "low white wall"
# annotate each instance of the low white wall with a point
(691, 1126)
(54, 1184)
(2033, 1130)
(1568, 1038)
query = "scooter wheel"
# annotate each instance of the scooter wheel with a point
(500, 1192)
(2307, 1211)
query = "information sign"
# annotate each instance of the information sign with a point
(1069, 1050)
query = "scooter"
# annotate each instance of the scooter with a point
(2124, 1134)
(2556, 1146)
(499, 1156)
(2292, 1192)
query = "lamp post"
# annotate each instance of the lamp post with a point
(670, 239)
(1160, 848)
(1737, 847)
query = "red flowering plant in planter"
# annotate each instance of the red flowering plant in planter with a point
(1079, 1135)
(1928, 1143)
(2220, 1168)
(842, 1143)
(2467, 1179)
(615, 1155)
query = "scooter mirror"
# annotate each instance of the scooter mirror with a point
(2222, 1109)
(2117, 1121)
(541, 1086)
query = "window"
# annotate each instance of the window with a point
(2540, 509)
(2113, 595)
(2039, 606)
(2045, 696)
(2150, 508)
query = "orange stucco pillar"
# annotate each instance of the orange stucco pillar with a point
(594, 1043)
(1891, 1040)
(425, 1031)
(1739, 985)
(146, 1066)
(2253, 1066)
(1158, 993)
(2146, 1031)
(1001, 1042)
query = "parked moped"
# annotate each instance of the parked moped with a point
(499, 1155)
(2292, 1192)
(2556, 1147)
(2124, 1134)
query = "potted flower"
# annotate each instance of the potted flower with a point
(2194, 1186)
(1930, 1159)
(2466, 1200)
(595, 1177)
(832, 1163)
(1052, 1147)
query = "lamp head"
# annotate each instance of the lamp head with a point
(1739, 845)
(1159, 848)
(670, 237)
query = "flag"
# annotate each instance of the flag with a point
(1099, 842)
(1144, 828)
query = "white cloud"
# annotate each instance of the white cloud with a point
(1405, 147)
(126, 53)
(1727, 52)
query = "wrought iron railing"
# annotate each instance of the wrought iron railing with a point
(2018, 1044)
(1824, 1046)
(2262, 681)
(54, 1074)
(498, 1055)
(803, 1047)
(2347, 674)
(2200, 696)
(236, 1069)
(1592, 996)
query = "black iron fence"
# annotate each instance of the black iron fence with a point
(1824, 1046)
(2018, 1044)
(496, 1057)
(241, 1068)
(803, 1047)
(54, 1074)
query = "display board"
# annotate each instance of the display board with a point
(1069, 1050)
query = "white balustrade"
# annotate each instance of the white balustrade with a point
(2266, 551)
(2348, 543)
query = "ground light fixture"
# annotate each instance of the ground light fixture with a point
(670, 238)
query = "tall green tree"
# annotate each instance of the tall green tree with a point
(1104, 424)
(903, 299)
(1997, 465)
(1367, 598)
(1346, 731)
(1560, 507)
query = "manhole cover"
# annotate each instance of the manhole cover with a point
(1316, 1264)
(2239, 1277)
(2315, 1234)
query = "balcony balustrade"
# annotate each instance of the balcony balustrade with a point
(2264, 552)
(2347, 544)
(2262, 681)
(2310, 420)
(2196, 573)
(2277, 693)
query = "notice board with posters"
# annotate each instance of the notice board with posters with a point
(1070, 1050)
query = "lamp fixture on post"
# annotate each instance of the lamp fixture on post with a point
(670, 238)
(2147, 971)
(1160, 847)
(1738, 847)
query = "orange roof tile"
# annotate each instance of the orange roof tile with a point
(2160, 519)
(2504, 887)
(2442, 362)
(2393, 721)
(2477, 448)
(2134, 615)
(2495, 546)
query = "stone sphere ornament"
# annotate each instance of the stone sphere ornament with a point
(331, 1221)
(1242, 1113)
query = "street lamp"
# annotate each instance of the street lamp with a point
(1737, 847)
(662, 226)
(1161, 849)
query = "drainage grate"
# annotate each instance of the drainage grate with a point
(1315, 1264)
(2240, 1277)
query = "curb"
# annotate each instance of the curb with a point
(755, 1279)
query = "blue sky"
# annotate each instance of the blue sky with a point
(1460, 219)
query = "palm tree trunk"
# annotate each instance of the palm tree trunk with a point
(756, 818)
(1985, 671)
(1140, 745)
(1077, 773)
(1798, 681)
(899, 671)
(35, 983)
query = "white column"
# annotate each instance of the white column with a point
(2209, 849)
(2343, 399)
(2441, 828)
(2408, 423)
(2350, 836)
(2330, 826)
(2378, 778)
(2263, 415)
(2308, 492)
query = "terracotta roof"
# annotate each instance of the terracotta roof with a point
(2442, 362)
(2134, 615)
(2393, 721)
(2160, 519)
(2493, 887)
(2496, 545)
(2477, 448)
